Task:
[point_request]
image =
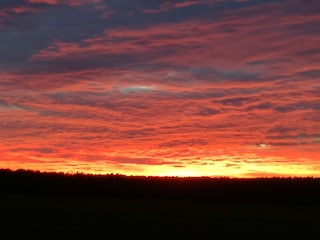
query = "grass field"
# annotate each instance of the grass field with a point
(55, 206)
(114, 218)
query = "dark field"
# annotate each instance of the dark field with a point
(113, 207)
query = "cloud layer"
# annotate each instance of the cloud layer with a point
(202, 87)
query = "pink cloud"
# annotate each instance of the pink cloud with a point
(238, 93)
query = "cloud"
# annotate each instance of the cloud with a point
(5, 104)
(160, 86)
(187, 142)
(139, 161)
(67, 2)
(137, 89)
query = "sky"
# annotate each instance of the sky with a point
(161, 88)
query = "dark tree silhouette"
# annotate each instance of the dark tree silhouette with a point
(268, 190)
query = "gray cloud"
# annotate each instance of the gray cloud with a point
(187, 142)
(5, 104)
(314, 73)
(26, 34)
(206, 111)
(298, 106)
(39, 150)
(235, 101)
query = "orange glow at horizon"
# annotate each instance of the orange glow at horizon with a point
(250, 166)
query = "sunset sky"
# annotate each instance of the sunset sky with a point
(159, 87)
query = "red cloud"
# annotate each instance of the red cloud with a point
(238, 96)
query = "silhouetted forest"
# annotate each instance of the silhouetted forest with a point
(254, 190)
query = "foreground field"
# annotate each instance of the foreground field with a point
(44, 215)
(115, 208)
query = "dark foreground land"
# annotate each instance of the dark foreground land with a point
(55, 205)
